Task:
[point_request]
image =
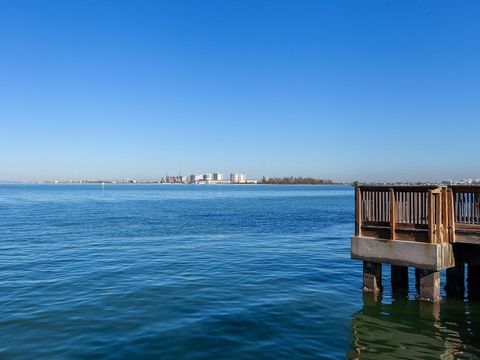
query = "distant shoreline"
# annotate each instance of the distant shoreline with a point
(155, 183)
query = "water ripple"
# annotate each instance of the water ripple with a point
(198, 273)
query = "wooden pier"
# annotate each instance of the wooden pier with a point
(429, 228)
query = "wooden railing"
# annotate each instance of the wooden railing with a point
(418, 213)
(466, 201)
(432, 214)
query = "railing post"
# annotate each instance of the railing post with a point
(438, 218)
(445, 231)
(451, 200)
(358, 212)
(392, 214)
(430, 217)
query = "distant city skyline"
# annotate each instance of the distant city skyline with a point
(367, 91)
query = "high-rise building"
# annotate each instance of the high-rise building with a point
(207, 177)
(217, 176)
(194, 179)
(238, 178)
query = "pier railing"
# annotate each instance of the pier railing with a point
(417, 213)
(466, 201)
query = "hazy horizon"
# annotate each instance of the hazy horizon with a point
(159, 178)
(369, 91)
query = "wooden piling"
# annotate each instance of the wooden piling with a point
(372, 277)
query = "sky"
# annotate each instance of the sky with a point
(346, 90)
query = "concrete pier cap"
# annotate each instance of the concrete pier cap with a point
(419, 255)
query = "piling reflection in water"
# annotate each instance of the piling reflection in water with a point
(407, 329)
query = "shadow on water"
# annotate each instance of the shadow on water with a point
(408, 329)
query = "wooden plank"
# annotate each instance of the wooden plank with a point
(408, 207)
(477, 208)
(377, 206)
(422, 208)
(411, 208)
(380, 206)
(465, 188)
(467, 239)
(467, 226)
(373, 195)
(438, 218)
(457, 207)
(474, 210)
(398, 203)
(469, 208)
(358, 212)
(385, 206)
(365, 201)
(448, 211)
(452, 215)
(417, 188)
(402, 207)
(444, 216)
(392, 214)
(370, 203)
(430, 217)
(376, 223)
(411, 226)
(414, 206)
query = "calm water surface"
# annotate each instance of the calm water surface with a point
(203, 272)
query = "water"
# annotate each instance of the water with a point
(203, 272)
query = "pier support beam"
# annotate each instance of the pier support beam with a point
(415, 254)
(473, 280)
(455, 286)
(372, 277)
(429, 285)
(399, 278)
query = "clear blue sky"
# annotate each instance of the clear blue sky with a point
(368, 90)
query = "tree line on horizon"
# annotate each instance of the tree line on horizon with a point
(292, 180)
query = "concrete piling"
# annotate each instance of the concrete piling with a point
(427, 281)
(429, 285)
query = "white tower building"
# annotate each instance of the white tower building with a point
(238, 178)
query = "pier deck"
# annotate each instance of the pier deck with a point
(430, 228)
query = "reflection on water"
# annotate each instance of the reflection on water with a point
(406, 329)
